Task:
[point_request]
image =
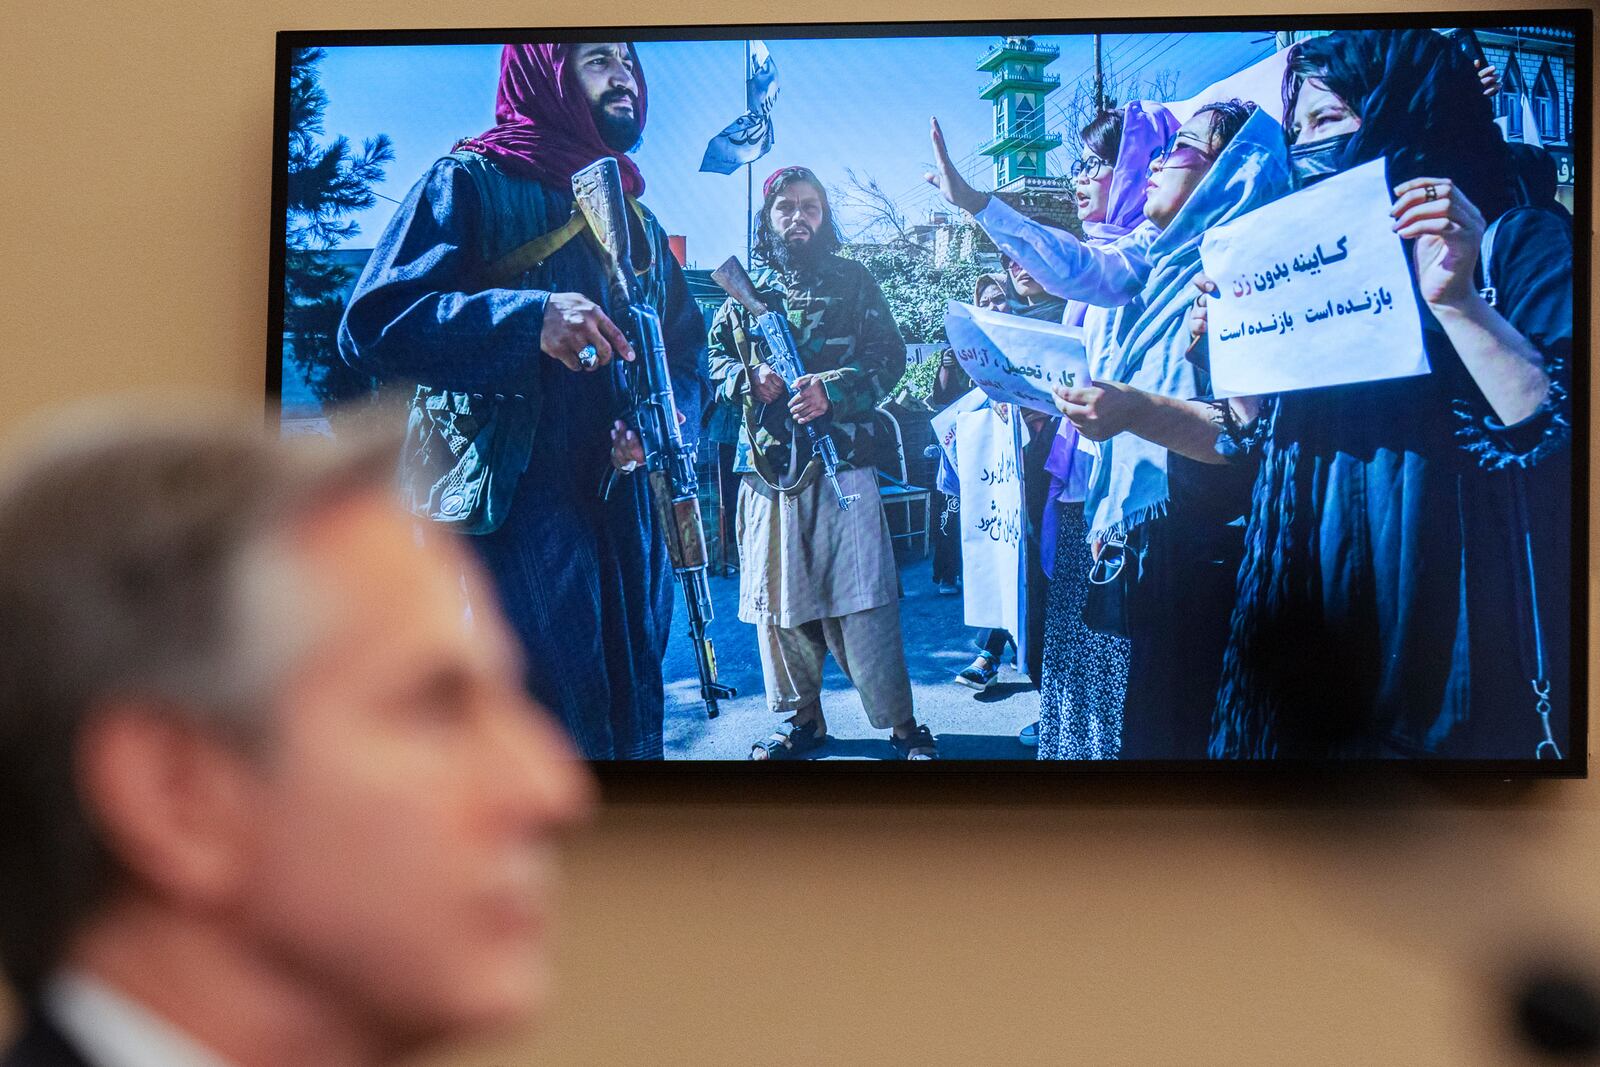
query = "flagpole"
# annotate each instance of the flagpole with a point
(749, 207)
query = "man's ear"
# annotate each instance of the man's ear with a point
(172, 801)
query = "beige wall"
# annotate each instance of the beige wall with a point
(1158, 922)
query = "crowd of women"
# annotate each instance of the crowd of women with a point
(1374, 570)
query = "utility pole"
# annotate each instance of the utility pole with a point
(1099, 78)
(749, 182)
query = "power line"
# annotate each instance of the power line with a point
(1144, 58)
(1110, 59)
(962, 164)
(1152, 53)
(1155, 46)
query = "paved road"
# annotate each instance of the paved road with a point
(968, 725)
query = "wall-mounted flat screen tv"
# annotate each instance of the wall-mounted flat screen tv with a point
(1051, 395)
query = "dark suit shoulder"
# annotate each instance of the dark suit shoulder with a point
(41, 1045)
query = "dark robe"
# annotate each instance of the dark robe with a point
(1383, 603)
(585, 582)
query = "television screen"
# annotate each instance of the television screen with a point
(1179, 393)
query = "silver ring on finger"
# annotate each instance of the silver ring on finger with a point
(1432, 193)
(588, 356)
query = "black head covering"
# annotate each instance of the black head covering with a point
(1421, 106)
(1534, 177)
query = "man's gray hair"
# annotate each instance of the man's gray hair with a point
(129, 556)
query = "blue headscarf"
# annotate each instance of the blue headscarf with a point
(1129, 484)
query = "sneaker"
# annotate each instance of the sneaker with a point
(1029, 735)
(979, 675)
(947, 588)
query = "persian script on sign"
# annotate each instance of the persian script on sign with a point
(1312, 290)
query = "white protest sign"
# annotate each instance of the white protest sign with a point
(1261, 82)
(944, 426)
(1013, 359)
(991, 518)
(1312, 290)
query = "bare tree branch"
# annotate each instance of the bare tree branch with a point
(884, 222)
(1081, 106)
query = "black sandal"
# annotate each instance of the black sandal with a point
(788, 741)
(918, 746)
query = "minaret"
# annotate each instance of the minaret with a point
(1018, 88)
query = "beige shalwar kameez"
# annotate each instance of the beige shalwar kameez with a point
(814, 579)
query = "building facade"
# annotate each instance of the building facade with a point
(1537, 89)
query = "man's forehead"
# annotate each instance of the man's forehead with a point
(612, 48)
(799, 189)
(391, 594)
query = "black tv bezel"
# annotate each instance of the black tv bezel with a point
(623, 772)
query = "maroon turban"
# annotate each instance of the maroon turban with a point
(543, 126)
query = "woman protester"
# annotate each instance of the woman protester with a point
(1384, 608)
(1083, 670)
(1031, 433)
(1085, 666)
(1168, 524)
(993, 293)
(1387, 600)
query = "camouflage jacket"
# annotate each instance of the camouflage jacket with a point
(846, 335)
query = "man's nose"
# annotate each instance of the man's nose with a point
(548, 785)
(622, 78)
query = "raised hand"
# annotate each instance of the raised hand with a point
(951, 185)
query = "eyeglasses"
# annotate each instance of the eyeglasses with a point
(1110, 560)
(1177, 155)
(1092, 168)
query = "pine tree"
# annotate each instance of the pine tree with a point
(326, 184)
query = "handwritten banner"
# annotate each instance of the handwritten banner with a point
(1312, 290)
(991, 518)
(944, 429)
(1016, 360)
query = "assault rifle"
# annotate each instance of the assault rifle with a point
(784, 358)
(647, 388)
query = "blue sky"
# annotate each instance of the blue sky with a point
(857, 103)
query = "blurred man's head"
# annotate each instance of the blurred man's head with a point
(243, 704)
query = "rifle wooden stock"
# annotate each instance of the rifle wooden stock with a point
(598, 191)
(736, 282)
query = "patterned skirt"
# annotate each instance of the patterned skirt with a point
(1085, 672)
